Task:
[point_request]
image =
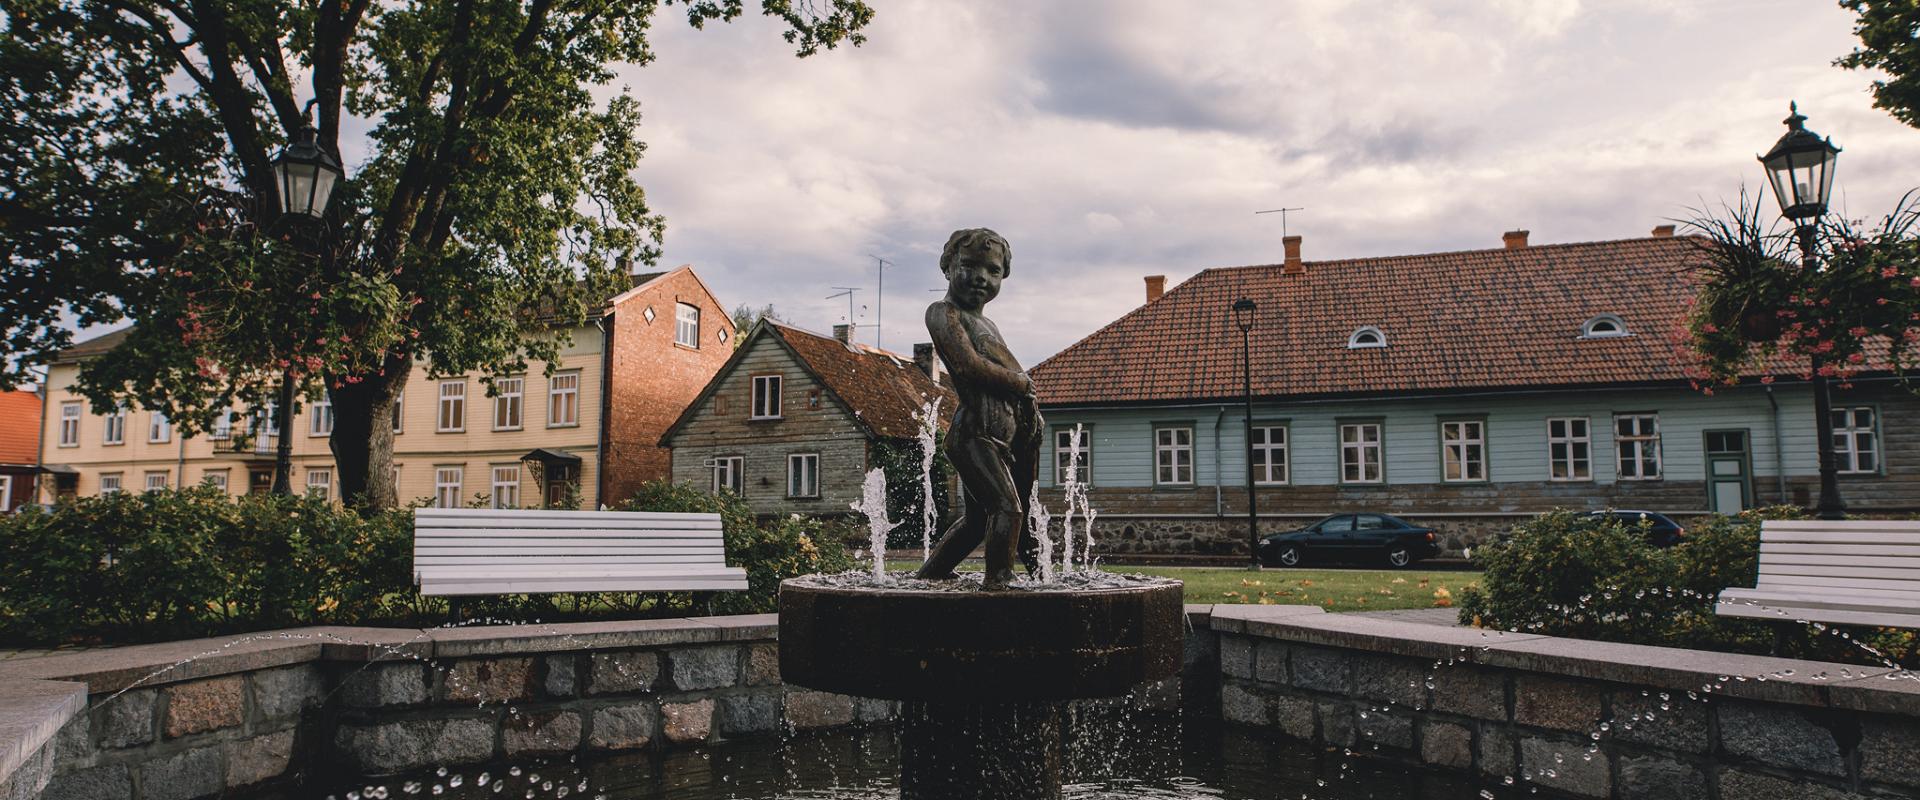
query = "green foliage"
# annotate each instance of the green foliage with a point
(906, 498)
(1566, 574)
(1889, 32)
(771, 551)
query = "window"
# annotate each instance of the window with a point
(727, 474)
(159, 428)
(216, 478)
(813, 399)
(320, 483)
(1368, 336)
(320, 417)
(115, 431)
(1856, 446)
(506, 486)
(6, 492)
(563, 400)
(1270, 454)
(267, 422)
(446, 486)
(1569, 450)
(399, 408)
(1173, 456)
(766, 397)
(1372, 522)
(1604, 326)
(686, 325)
(1065, 457)
(222, 427)
(109, 482)
(157, 481)
(70, 424)
(453, 406)
(1360, 452)
(1636, 437)
(506, 404)
(803, 475)
(1463, 450)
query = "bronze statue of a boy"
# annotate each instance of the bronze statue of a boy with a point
(994, 442)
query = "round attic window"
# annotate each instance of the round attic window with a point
(1368, 336)
(1604, 326)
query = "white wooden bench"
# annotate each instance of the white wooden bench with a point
(466, 551)
(1850, 572)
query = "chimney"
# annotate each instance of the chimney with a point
(1156, 286)
(1293, 266)
(1514, 239)
(927, 359)
(1663, 231)
(844, 333)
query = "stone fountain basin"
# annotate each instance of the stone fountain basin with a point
(958, 646)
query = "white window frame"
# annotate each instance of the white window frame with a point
(803, 475)
(505, 485)
(451, 405)
(218, 478)
(148, 483)
(728, 472)
(563, 399)
(1575, 461)
(1063, 454)
(222, 427)
(1265, 446)
(114, 432)
(69, 423)
(400, 413)
(6, 493)
(322, 487)
(1356, 449)
(1366, 337)
(1168, 448)
(117, 480)
(766, 402)
(447, 486)
(509, 403)
(1591, 328)
(320, 417)
(686, 325)
(159, 428)
(1461, 449)
(1848, 435)
(1642, 444)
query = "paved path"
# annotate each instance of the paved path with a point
(1424, 616)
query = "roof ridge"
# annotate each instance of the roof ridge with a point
(1402, 256)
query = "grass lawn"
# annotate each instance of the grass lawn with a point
(1332, 589)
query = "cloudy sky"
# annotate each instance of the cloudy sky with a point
(1114, 139)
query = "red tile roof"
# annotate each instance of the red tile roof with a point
(1479, 319)
(20, 427)
(884, 390)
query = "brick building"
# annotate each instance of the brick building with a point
(792, 421)
(667, 336)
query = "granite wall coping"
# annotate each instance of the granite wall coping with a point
(1763, 678)
(31, 714)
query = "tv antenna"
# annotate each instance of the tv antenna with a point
(880, 300)
(847, 292)
(1283, 216)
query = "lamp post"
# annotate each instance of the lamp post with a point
(1800, 169)
(304, 175)
(1243, 316)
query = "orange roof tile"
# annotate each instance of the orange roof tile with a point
(884, 390)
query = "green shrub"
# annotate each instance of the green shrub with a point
(770, 552)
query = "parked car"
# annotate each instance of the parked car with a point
(1352, 537)
(1662, 531)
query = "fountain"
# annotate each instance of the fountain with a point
(983, 663)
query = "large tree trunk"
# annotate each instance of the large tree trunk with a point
(363, 435)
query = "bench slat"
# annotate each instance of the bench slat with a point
(1849, 560)
(564, 525)
(553, 586)
(1879, 619)
(538, 542)
(1783, 548)
(1820, 599)
(1811, 583)
(517, 552)
(1895, 572)
(1841, 537)
(1910, 526)
(555, 513)
(593, 571)
(576, 533)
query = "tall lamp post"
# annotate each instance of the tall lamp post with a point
(1800, 169)
(1243, 316)
(305, 174)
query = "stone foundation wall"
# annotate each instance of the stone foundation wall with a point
(1586, 719)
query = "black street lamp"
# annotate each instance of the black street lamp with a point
(1243, 316)
(305, 174)
(1800, 169)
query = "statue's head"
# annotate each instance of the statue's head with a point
(973, 239)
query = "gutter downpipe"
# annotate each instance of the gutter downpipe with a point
(1219, 505)
(605, 323)
(1779, 457)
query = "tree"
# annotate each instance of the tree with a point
(745, 317)
(1889, 32)
(494, 201)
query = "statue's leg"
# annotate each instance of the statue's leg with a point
(959, 540)
(1026, 453)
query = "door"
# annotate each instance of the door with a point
(1729, 468)
(1333, 536)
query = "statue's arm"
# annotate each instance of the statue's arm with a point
(964, 360)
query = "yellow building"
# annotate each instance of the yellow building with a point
(537, 441)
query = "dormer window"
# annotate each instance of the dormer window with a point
(1366, 337)
(1605, 326)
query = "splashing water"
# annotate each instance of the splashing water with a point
(873, 504)
(1074, 494)
(929, 422)
(1037, 512)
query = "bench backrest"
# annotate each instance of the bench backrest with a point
(1877, 558)
(527, 537)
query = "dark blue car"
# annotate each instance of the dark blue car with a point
(1662, 531)
(1352, 537)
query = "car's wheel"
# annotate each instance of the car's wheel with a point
(1399, 556)
(1288, 555)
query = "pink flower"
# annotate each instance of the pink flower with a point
(1890, 272)
(1766, 379)
(1710, 328)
